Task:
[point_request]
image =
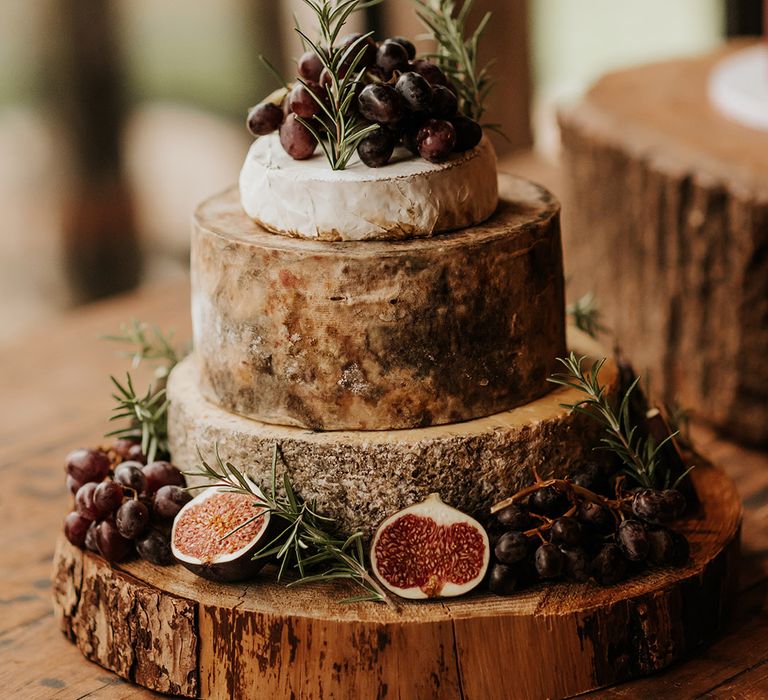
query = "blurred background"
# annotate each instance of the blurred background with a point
(118, 116)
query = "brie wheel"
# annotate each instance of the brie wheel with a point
(409, 198)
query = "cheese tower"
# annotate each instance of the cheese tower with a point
(391, 329)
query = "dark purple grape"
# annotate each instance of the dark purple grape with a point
(632, 537)
(87, 465)
(609, 566)
(436, 140)
(591, 476)
(431, 72)
(135, 454)
(514, 517)
(675, 501)
(76, 528)
(658, 507)
(661, 549)
(367, 45)
(302, 103)
(309, 66)
(566, 531)
(90, 538)
(391, 56)
(381, 104)
(415, 91)
(84, 501)
(112, 545)
(597, 518)
(162, 473)
(297, 141)
(468, 133)
(549, 561)
(73, 485)
(169, 500)
(132, 519)
(549, 501)
(264, 118)
(325, 78)
(130, 474)
(512, 547)
(408, 140)
(375, 150)
(122, 447)
(107, 497)
(410, 49)
(502, 580)
(576, 563)
(444, 104)
(156, 548)
(682, 548)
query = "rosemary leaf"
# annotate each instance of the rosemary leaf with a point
(640, 455)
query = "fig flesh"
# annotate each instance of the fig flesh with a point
(217, 533)
(430, 550)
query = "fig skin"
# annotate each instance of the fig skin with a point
(242, 568)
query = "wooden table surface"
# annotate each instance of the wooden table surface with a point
(56, 396)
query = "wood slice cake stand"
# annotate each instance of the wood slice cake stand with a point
(674, 194)
(167, 630)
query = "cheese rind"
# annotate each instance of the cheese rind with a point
(409, 198)
(379, 335)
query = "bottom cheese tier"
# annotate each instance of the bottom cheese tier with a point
(360, 477)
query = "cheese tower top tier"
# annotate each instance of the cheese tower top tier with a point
(379, 335)
(409, 198)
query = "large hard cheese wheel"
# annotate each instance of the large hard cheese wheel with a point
(378, 335)
(361, 477)
(408, 198)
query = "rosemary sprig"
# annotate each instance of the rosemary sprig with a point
(147, 416)
(457, 50)
(148, 344)
(586, 315)
(337, 127)
(307, 543)
(147, 413)
(640, 455)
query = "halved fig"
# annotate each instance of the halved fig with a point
(217, 533)
(430, 550)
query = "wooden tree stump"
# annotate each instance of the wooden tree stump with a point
(666, 220)
(168, 630)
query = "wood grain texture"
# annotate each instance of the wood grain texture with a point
(379, 335)
(264, 640)
(676, 197)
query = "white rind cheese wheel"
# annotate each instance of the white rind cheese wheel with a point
(409, 198)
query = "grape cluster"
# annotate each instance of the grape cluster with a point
(122, 504)
(573, 530)
(411, 100)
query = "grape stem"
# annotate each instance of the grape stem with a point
(567, 487)
(547, 523)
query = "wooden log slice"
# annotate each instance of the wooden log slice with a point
(168, 630)
(361, 477)
(379, 335)
(667, 222)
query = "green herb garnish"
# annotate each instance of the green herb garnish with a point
(457, 51)
(337, 127)
(640, 455)
(147, 412)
